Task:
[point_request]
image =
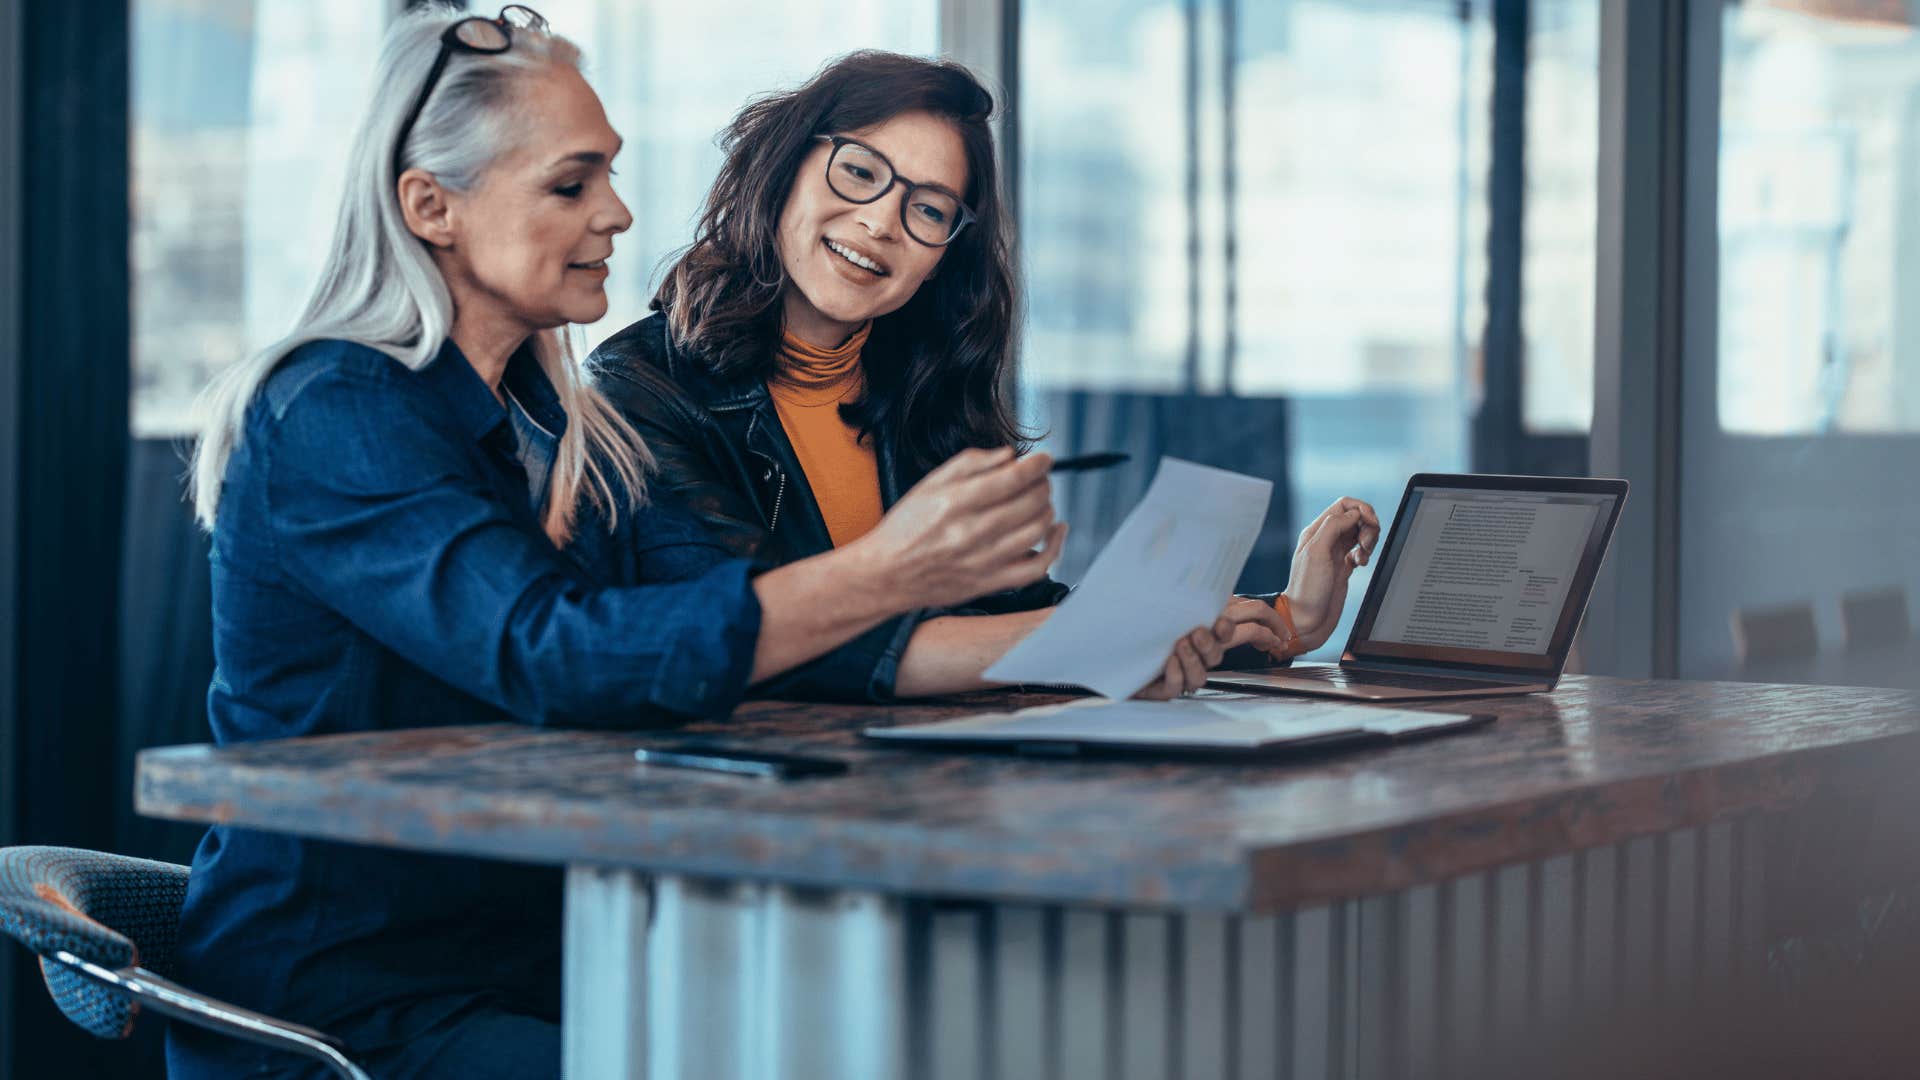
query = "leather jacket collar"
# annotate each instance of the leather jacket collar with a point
(750, 433)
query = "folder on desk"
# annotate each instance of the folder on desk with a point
(1209, 722)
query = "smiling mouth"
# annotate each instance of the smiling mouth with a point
(597, 264)
(855, 258)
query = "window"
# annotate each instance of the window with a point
(242, 111)
(1265, 227)
(1561, 216)
(1819, 219)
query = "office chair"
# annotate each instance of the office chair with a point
(1764, 635)
(1875, 618)
(105, 927)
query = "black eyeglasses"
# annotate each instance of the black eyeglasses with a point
(475, 34)
(860, 174)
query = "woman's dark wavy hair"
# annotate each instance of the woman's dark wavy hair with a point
(938, 368)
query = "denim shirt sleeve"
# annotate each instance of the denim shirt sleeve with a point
(379, 512)
(867, 669)
(677, 545)
(862, 670)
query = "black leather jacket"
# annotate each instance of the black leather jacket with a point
(720, 450)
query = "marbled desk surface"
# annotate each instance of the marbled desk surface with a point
(1595, 762)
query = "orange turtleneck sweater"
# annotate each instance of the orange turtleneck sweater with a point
(841, 470)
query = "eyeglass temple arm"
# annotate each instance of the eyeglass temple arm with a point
(171, 999)
(419, 104)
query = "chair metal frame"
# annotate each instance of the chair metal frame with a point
(170, 999)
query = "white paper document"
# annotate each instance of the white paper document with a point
(1170, 567)
(1207, 721)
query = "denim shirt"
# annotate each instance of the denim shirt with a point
(378, 562)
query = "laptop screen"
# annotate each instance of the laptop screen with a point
(1487, 576)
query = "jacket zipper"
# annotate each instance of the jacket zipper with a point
(774, 521)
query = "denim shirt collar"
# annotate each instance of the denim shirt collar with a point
(473, 403)
(527, 386)
(532, 425)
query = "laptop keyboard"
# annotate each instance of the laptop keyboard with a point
(1340, 677)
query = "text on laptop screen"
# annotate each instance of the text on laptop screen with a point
(1480, 572)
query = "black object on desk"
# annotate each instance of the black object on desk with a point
(761, 763)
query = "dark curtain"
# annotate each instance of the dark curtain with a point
(166, 638)
(70, 449)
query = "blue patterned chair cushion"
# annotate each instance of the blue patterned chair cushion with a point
(111, 910)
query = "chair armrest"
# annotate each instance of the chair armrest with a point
(173, 1000)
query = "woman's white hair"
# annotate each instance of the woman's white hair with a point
(380, 288)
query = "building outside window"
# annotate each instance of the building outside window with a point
(242, 111)
(1819, 219)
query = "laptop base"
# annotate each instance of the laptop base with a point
(1329, 680)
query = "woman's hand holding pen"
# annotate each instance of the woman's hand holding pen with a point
(970, 528)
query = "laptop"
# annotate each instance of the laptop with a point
(1478, 591)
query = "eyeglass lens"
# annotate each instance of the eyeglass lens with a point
(857, 174)
(482, 35)
(521, 15)
(493, 35)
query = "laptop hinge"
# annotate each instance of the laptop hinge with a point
(1542, 678)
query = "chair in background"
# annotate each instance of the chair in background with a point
(105, 928)
(1875, 618)
(1764, 636)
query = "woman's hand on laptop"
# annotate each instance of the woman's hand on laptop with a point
(1341, 539)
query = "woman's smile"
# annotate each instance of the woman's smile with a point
(864, 266)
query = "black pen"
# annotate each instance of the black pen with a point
(1087, 461)
(761, 763)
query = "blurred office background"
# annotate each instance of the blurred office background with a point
(1331, 242)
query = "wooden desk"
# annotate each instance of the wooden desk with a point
(936, 915)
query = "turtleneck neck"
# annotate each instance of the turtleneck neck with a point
(810, 375)
(842, 470)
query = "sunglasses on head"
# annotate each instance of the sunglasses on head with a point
(474, 34)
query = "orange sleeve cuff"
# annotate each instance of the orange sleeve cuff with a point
(1285, 608)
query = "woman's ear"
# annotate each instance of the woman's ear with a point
(424, 206)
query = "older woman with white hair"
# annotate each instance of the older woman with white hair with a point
(423, 512)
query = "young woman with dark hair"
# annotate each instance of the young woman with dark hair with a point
(844, 320)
